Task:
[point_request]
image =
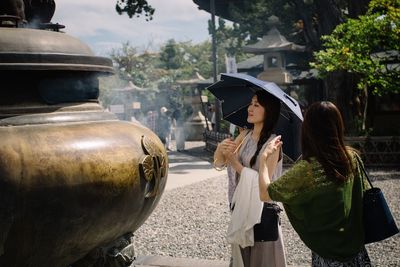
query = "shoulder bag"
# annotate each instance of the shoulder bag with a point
(267, 229)
(378, 221)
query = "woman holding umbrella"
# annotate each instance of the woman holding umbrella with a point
(244, 154)
(322, 193)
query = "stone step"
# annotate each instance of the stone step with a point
(166, 261)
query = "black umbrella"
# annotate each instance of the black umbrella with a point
(235, 92)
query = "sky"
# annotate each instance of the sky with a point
(96, 23)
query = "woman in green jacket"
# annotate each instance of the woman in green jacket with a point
(322, 193)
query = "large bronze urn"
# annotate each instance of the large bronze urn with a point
(72, 176)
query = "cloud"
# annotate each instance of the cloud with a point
(97, 23)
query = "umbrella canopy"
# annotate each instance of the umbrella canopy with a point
(235, 91)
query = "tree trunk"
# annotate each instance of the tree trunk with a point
(340, 88)
(329, 16)
(311, 35)
(363, 96)
(357, 7)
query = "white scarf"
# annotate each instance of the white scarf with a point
(247, 212)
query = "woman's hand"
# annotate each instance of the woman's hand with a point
(272, 150)
(226, 153)
(228, 146)
(268, 162)
(223, 153)
(229, 150)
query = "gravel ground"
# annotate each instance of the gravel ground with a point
(191, 222)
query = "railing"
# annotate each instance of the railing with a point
(379, 151)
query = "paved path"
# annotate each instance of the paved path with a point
(190, 166)
(185, 168)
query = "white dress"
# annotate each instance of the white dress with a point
(262, 254)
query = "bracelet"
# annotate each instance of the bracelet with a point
(218, 168)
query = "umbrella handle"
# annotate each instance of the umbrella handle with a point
(238, 147)
(222, 167)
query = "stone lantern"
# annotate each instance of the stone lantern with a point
(196, 124)
(275, 48)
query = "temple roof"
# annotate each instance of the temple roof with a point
(196, 79)
(129, 88)
(273, 41)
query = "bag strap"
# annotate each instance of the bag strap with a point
(361, 165)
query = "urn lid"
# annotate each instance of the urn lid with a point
(43, 50)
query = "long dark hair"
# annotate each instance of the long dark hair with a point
(322, 137)
(272, 108)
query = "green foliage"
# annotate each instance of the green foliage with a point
(251, 23)
(368, 47)
(135, 8)
(140, 68)
(171, 55)
(184, 59)
(157, 73)
(252, 17)
(384, 7)
(229, 39)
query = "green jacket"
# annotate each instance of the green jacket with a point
(327, 215)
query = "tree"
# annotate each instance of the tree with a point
(158, 72)
(183, 59)
(135, 8)
(304, 22)
(229, 39)
(141, 68)
(367, 47)
(252, 17)
(171, 56)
